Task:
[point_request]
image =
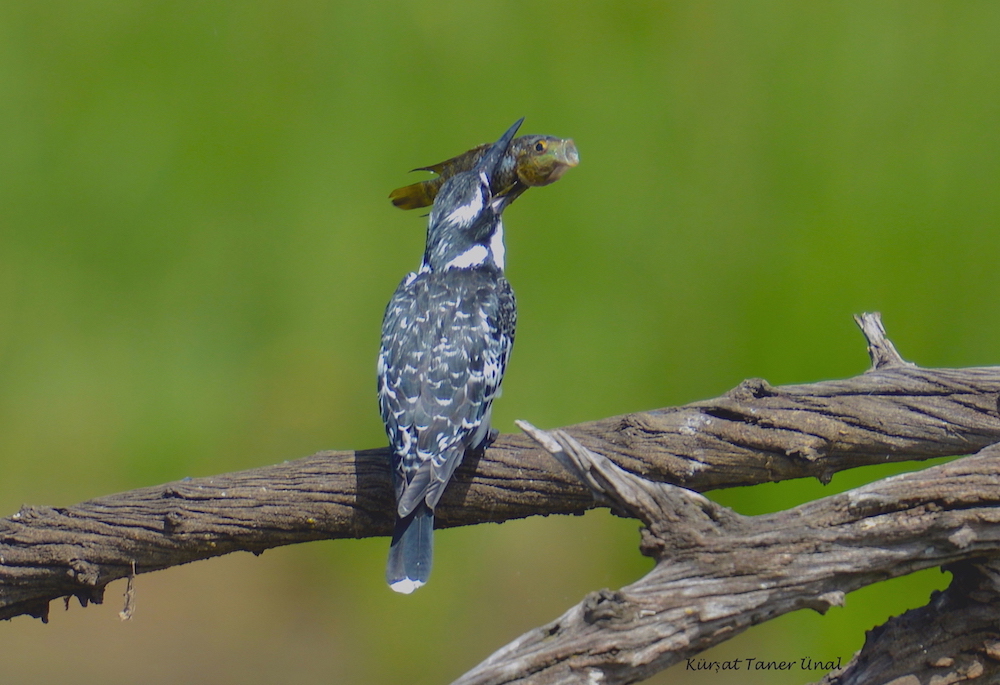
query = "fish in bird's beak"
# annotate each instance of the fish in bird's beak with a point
(490, 162)
(528, 161)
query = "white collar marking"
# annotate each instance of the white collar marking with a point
(497, 248)
(474, 256)
(466, 213)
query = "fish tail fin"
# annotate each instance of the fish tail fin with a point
(416, 195)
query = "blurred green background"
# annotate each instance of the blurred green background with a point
(196, 250)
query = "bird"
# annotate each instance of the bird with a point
(447, 336)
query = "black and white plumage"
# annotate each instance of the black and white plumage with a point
(446, 338)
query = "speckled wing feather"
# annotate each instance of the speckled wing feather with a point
(446, 340)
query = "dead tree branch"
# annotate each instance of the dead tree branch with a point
(755, 433)
(718, 573)
(954, 639)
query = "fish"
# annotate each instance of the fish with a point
(530, 161)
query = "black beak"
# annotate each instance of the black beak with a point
(491, 160)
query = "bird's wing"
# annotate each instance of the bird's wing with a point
(445, 347)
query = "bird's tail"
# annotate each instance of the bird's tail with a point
(411, 551)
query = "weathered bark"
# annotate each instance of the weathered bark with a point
(753, 434)
(718, 573)
(954, 639)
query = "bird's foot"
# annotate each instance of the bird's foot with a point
(491, 435)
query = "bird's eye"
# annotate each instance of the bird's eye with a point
(540, 146)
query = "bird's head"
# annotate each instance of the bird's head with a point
(465, 229)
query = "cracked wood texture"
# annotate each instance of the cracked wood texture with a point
(718, 573)
(755, 433)
(954, 639)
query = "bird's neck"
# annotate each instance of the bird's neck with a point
(477, 255)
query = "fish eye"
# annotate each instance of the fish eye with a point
(540, 146)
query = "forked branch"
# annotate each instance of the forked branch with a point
(753, 434)
(717, 573)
